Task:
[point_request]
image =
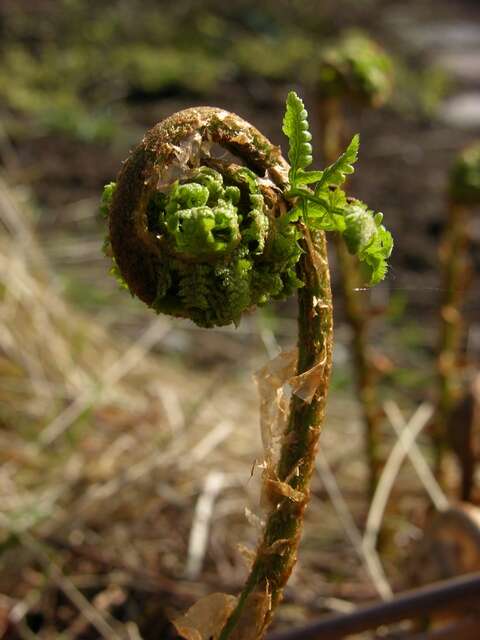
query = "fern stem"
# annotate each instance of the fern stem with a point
(332, 124)
(276, 553)
(453, 256)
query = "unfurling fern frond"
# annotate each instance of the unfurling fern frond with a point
(199, 237)
(324, 206)
(367, 238)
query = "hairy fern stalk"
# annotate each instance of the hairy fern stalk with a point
(208, 239)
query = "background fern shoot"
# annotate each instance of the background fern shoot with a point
(463, 195)
(355, 71)
(206, 238)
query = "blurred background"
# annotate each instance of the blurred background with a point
(127, 440)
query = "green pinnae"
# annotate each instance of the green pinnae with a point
(196, 229)
(213, 181)
(186, 196)
(202, 231)
(366, 237)
(360, 227)
(107, 197)
(324, 206)
(204, 218)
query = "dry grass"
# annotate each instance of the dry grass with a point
(103, 447)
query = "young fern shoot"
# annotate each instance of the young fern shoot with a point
(358, 70)
(205, 238)
(464, 194)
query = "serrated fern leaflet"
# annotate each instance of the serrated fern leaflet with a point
(295, 127)
(336, 173)
(324, 205)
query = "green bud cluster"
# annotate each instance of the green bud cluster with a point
(222, 252)
(367, 238)
(200, 218)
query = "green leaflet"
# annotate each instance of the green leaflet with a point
(324, 205)
(336, 173)
(367, 238)
(200, 217)
(194, 285)
(295, 127)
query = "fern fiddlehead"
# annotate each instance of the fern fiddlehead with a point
(202, 237)
(194, 236)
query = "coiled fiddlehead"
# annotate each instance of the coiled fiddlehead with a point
(200, 237)
(206, 238)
